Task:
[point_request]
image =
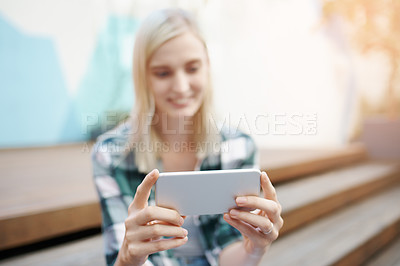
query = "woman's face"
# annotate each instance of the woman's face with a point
(178, 75)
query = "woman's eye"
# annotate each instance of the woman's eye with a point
(162, 74)
(192, 69)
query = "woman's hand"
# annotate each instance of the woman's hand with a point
(261, 227)
(145, 226)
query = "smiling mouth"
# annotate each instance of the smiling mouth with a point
(182, 102)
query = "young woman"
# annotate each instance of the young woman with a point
(171, 129)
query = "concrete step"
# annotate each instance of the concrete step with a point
(347, 237)
(306, 199)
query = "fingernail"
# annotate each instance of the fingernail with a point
(241, 200)
(234, 212)
(181, 221)
(154, 171)
(185, 232)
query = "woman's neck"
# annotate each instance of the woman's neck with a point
(175, 129)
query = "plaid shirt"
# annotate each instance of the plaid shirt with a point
(116, 178)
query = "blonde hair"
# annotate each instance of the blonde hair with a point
(159, 27)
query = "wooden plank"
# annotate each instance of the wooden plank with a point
(348, 237)
(305, 200)
(283, 165)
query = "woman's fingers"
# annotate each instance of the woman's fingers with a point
(257, 235)
(160, 230)
(267, 187)
(147, 225)
(270, 207)
(144, 189)
(256, 221)
(142, 249)
(153, 213)
(245, 229)
(260, 227)
(163, 244)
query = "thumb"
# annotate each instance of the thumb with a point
(144, 189)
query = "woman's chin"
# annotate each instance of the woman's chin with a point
(188, 111)
(181, 114)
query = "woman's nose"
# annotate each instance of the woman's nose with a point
(180, 82)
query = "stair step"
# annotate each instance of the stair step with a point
(309, 241)
(284, 165)
(83, 252)
(347, 237)
(390, 256)
(306, 199)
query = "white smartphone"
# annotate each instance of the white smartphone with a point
(205, 192)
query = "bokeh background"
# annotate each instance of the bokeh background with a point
(65, 68)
